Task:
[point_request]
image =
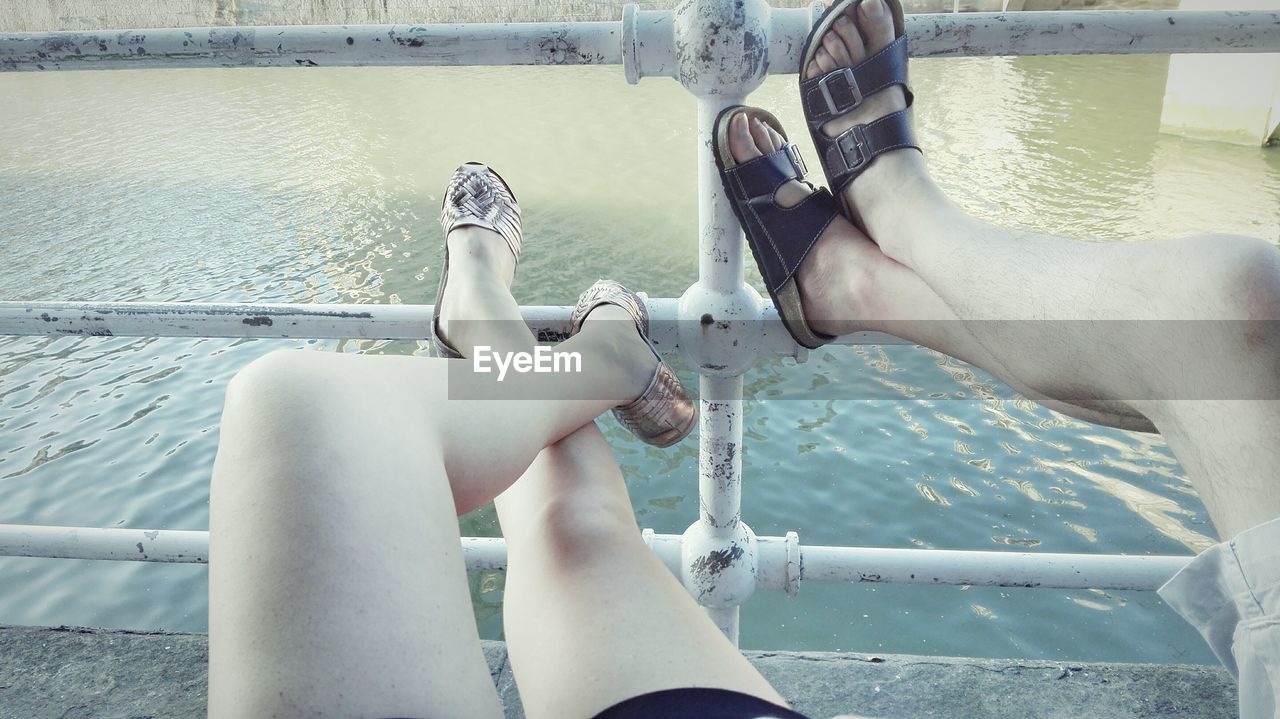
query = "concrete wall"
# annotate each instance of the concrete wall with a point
(1231, 98)
(70, 672)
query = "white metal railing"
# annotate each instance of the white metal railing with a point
(719, 50)
(782, 562)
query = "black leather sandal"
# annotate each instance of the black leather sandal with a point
(780, 237)
(841, 91)
(477, 196)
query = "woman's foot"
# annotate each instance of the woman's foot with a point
(658, 409)
(483, 239)
(831, 276)
(613, 330)
(481, 270)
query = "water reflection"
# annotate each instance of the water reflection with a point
(323, 186)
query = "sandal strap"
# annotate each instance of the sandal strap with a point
(783, 235)
(848, 155)
(762, 176)
(477, 196)
(609, 292)
(842, 90)
(664, 413)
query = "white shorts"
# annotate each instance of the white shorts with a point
(1231, 594)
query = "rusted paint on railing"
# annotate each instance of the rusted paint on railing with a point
(1093, 32)
(583, 43)
(601, 43)
(193, 319)
(549, 323)
(783, 562)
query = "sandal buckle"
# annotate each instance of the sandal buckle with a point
(797, 162)
(854, 142)
(846, 74)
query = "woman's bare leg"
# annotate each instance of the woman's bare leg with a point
(336, 580)
(592, 616)
(587, 605)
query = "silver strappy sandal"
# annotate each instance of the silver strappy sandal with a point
(479, 197)
(664, 413)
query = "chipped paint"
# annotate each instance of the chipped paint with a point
(716, 561)
(764, 563)
(590, 43)
(712, 48)
(181, 319)
(1092, 33)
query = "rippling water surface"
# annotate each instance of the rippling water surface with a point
(322, 186)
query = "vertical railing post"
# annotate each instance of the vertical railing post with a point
(721, 49)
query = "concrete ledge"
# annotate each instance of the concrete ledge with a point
(79, 673)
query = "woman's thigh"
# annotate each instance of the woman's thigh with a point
(337, 584)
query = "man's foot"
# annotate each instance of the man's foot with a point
(829, 278)
(865, 29)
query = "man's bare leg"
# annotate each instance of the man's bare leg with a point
(1059, 317)
(849, 285)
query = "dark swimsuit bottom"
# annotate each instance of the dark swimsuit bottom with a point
(697, 704)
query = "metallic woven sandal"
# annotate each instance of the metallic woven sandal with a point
(664, 413)
(476, 196)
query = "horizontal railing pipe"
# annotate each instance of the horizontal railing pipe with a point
(198, 319)
(1093, 32)
(602, 43)
(535, 43)
(119, 544)
(782, 561)
(549, 323)
(1003, 569)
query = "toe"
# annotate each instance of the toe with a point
(778, 139)
(835, 46)
(741, 144)
(847, 31)
(824, 60)
(812, 70)
(761, 135)
(876, 23)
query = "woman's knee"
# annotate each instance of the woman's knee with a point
(293, 387)
(288, 403)
(275, 378)
(581, 526)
